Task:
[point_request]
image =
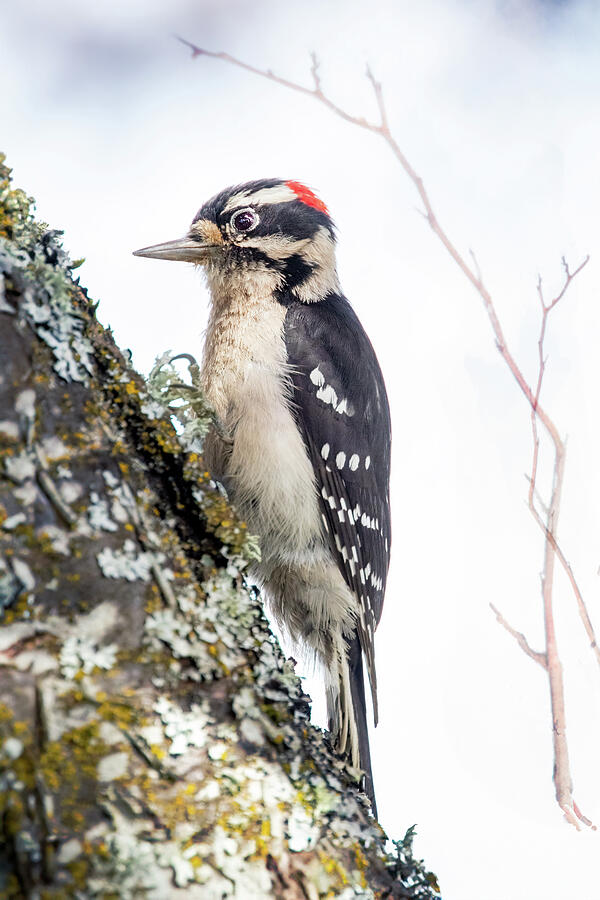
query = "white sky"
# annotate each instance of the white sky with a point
(121, 137)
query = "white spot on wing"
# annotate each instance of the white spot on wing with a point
(354, 461)
(367, 462)
(340, 460)
(325, 451)
(317, 377)
(327, 394)
(344, 406)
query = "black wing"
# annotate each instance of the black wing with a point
(340, 402)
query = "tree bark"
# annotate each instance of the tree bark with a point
(154, 742)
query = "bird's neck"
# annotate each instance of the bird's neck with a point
(245, 331)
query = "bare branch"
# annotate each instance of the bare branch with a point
(285, 82)
(314, 69)
(476, 264)
(378, 91)
(583, 613)
(560, 450)
(521, 640)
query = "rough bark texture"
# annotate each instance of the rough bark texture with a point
(154, 742)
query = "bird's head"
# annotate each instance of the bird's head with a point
(274, 225)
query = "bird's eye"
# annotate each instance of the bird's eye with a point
(244, 220)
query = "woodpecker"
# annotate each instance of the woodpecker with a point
(303, 438)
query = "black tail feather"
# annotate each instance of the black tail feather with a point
(357, 687)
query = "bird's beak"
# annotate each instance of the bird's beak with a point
(184, 249)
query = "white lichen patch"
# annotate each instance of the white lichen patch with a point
(355, 892)
(70, 491)
(217, 615)
(166, 628)
(52, 448)
(184, 729)
(23, 573)
(112, 766)
(69, 851)
(231, 608)
(56, 324)
(153, 409)
(81, 654)
(27, 493)
(11, 748)
(59, 538)
(218, 750)
(9, 429)
(128, 563)
(25, 409)
(110, 478)
(129, 863)
(19, 467)
(47, 301)
(251, 732)
(98, 514)
(302, 831)
(13, 521)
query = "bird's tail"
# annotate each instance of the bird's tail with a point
(347, 710)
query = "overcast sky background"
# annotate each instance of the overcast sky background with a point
(121, 137)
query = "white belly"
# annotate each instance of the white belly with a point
(269, 472)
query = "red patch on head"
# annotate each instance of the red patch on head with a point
(306, 196)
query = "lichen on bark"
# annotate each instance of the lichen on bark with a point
(154, 741)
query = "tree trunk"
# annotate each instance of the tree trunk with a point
(154, 742)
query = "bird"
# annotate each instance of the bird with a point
(302, 435)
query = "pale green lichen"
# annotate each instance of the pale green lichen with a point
(185, 403)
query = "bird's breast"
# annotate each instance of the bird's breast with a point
(266, 467)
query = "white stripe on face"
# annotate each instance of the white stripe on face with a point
(281, 193)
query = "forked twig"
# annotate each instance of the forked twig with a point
(521, 640)
(549, 660)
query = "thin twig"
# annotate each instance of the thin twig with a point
(521, 640)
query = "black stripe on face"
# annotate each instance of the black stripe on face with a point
(251, 256)
(295, 220)
(295, 271)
